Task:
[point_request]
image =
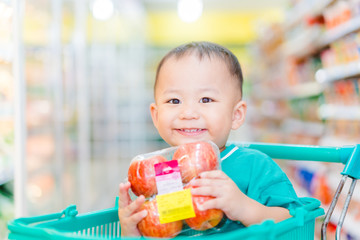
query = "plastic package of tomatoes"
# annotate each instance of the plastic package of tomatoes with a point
(164, 178)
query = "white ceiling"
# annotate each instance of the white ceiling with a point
(219, 4)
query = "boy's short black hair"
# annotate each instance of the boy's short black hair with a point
(206, 49)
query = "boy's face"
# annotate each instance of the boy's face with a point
(196, 100)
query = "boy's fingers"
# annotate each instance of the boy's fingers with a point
(134, 206)
(217, 174)
(124, 197)
(137, 217)
(205, 191)
(208, 182)
(210, 204)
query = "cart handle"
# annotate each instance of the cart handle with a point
(347, 155)
(24, 225)
(301, 152)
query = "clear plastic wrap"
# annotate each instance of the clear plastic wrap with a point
(203, 220)
(164, 178)
(195, 158)
(150, 226)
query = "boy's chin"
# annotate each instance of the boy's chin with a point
(183, 141)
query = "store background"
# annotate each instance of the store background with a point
(76, 81)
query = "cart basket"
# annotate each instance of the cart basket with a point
(68, 224)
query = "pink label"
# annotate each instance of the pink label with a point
(168, 167)
(168, 178)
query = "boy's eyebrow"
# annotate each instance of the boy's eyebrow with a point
(207, 89)
(204, 89)
(169, 91)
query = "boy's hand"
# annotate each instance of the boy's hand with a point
(232, 201)
(228, 196)
(129, 216)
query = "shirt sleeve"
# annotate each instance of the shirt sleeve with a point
(269, 185)
(261, 179)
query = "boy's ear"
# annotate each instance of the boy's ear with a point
(154, 114)
(238, 115)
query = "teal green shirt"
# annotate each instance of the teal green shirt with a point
(259, 177)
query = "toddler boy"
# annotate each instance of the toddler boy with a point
(198, 97)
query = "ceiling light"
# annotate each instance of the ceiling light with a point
(189, 10)
(102, 9)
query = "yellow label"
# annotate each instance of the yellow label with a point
(175, 206)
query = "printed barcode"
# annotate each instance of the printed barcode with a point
(175, 210)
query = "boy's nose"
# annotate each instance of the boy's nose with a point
(189, 112)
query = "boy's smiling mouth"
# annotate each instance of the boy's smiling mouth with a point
(190, 131)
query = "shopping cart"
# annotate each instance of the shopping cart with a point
(68, 224)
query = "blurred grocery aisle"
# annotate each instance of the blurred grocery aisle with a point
(308, 79)
(76, 82)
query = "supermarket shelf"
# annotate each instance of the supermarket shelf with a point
(292, 125)
(305, 9)
(318, 7)
(339, 112)
(268, 111)
(306, 90)
(303, 45)
(338, 72)
(338, 32)
(313, 39)
(298, 91)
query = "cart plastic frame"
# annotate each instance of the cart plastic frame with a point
(347, 155)
(303, 217)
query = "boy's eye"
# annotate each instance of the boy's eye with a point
(205, 100)
(174, 101)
